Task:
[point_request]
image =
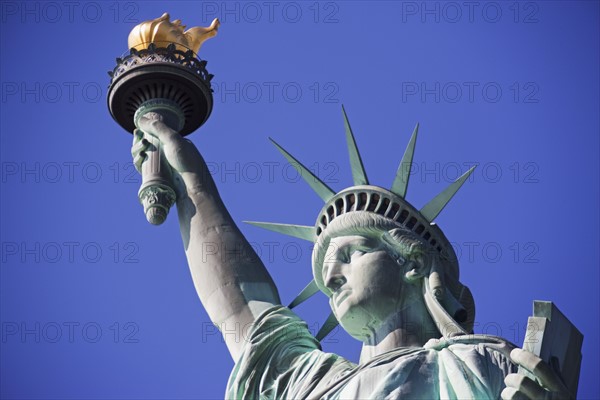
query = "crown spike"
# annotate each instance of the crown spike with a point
(403, 174)
(310, 290)
(437, 204)
(358, 170)
(298, 231)
(327, 327)
(315, 183)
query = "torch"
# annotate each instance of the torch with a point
(161, 78)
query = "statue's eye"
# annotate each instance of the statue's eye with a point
(344, 257)
(357, 253)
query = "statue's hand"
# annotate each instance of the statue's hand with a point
(548, 386)
(180, 153)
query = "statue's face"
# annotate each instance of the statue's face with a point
(366, 283)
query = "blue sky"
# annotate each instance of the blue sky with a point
(96, 304)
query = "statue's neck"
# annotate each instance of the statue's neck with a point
(412, 326)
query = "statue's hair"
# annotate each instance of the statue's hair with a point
(399, 241)
(402, 243)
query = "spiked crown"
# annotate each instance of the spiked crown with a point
(363, 197)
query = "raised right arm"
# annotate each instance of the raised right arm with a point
(231, 281)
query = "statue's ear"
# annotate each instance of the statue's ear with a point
(417, 267)
(414, 266)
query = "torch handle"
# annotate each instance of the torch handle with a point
(156, 192)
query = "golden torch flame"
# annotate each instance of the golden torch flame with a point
(162, 32)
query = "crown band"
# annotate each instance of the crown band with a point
(385, 203)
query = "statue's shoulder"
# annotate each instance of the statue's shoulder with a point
(475, 349)
(495, 343)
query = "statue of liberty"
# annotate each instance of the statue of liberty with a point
(392, 279)
(389, 271)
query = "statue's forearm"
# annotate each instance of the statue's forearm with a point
(232, 283)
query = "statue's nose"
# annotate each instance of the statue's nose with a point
(334, 277)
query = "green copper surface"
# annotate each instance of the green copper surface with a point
(403, 174)
(315, 183)
(310, 290)
(330, 323)
(358, 170)
(437, 204)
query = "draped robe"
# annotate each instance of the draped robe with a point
(282, 360)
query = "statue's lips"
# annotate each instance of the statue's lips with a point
(341, 296)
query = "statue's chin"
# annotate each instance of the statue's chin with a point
(358, 322)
